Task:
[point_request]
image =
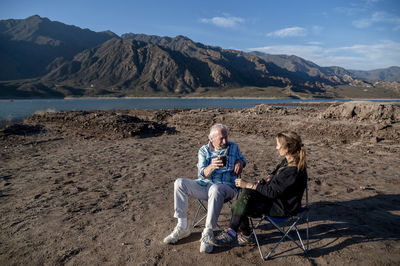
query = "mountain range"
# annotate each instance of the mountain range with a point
(43, 58)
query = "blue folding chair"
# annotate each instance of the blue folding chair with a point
(204, 208)
(291, 223)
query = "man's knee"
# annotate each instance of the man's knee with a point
(216, 191)
(178, 184)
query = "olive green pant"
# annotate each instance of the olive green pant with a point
(249, 204)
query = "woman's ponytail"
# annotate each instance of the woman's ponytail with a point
(302, 158)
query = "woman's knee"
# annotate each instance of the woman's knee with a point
(240, 206)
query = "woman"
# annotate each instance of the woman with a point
(279, 195)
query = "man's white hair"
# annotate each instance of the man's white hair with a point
(216, 127)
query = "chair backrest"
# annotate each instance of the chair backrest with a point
(307, 193)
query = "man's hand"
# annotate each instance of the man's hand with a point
(238, 167)
(216, 163)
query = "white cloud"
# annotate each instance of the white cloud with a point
(224, 22)
(305, 51)
(349, 11)
(378, 17)
(317, 29)
(361, 56)
(315, 43)
(288, 32)
(362, 23)
(372, 1)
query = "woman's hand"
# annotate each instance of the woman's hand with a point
(244, 184)
(240, 183)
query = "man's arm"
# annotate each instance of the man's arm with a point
(240, 162)
(205, 167)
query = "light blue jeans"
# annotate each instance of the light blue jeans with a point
(215, 194)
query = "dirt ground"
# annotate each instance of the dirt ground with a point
(96, 188)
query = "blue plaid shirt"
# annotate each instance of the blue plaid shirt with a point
(224, 175)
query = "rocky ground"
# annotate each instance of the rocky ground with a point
(91, 188)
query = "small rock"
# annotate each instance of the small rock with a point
(376, 139)
(366, 188)
(117, 176)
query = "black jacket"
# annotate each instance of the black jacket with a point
(285, 189)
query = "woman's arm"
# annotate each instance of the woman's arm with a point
(279, 183)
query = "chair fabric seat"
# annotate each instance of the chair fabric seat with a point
(285, 219)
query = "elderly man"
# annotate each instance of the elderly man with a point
(215, 183)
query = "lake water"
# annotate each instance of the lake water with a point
(19, 109)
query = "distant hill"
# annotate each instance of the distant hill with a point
(42, 58)
(29, 46)
(386, 74)
(297, 64)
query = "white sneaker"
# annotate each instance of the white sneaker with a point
(177, 234)
(207, 238)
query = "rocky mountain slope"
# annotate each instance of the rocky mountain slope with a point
(176, 65)
(28, 47)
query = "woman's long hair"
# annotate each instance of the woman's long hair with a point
(292, 141)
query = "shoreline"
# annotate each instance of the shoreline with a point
(202, 97)
(13, 114)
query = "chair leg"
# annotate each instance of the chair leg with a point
(308, 239)
(286, 234)
(255, 236)
(201, 206)
(301, 241)
(277, 244)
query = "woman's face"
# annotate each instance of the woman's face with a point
(282, 151)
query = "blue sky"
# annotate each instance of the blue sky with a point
(359, 34)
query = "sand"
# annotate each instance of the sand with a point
(96, 188)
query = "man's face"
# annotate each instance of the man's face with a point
(219, 139)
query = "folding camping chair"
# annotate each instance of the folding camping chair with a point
(204, 208)
(280, 223)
